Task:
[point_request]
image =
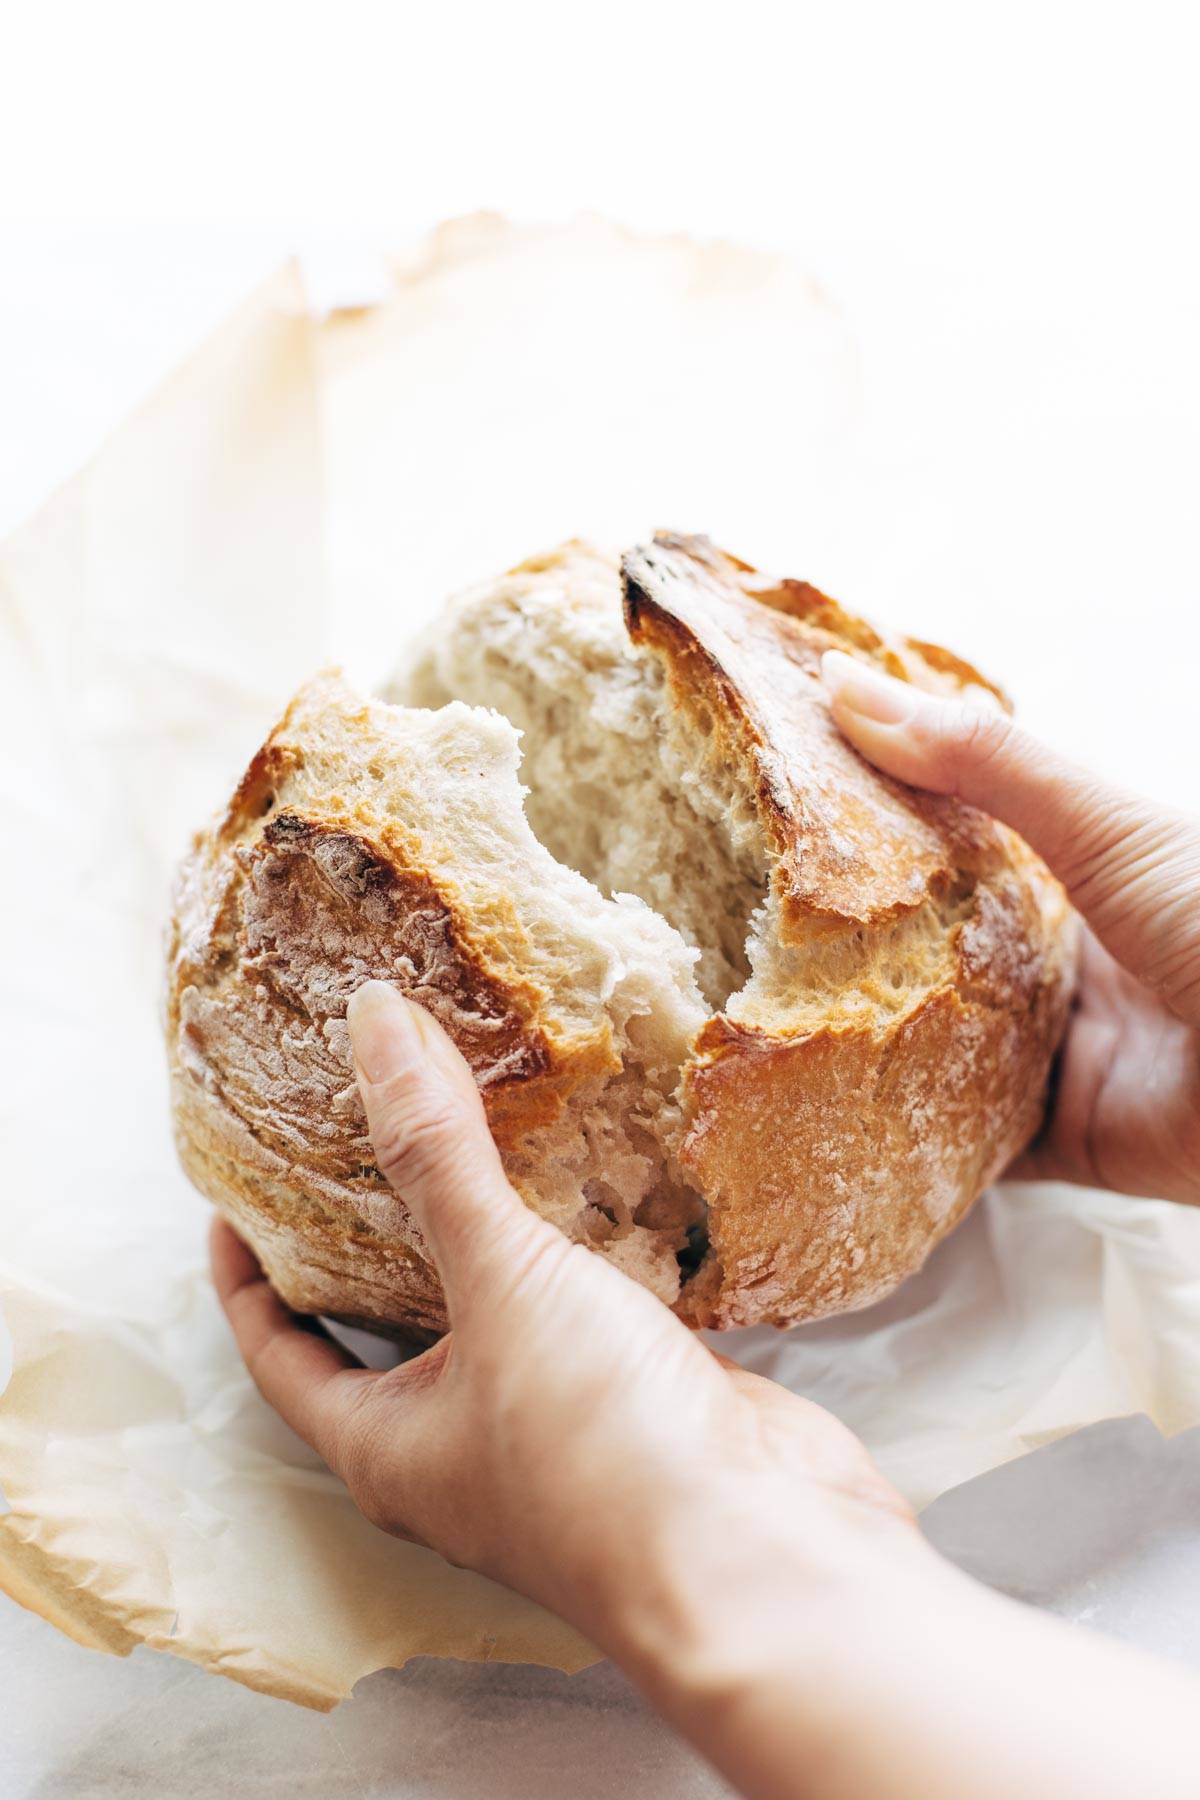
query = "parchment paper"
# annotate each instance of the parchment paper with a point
(305, 488)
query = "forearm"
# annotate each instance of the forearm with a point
(902, 1680)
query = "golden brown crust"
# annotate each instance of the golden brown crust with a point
(281, 913)
(851, 844)
(834, 1161)
(836, 1139)
(909, 658)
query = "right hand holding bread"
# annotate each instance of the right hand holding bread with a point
(569, 1436)
(1126, 1107)
(568, 1430)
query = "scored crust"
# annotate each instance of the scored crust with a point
(878, 1055)
(868, 1083)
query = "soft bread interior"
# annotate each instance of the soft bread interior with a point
(620, 788)
(449, 777)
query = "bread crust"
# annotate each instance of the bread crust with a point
(886, 1061)
(280, 914)
(851, 843)
(835, 1147)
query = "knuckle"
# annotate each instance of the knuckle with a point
(534, 1259)
(416, 1134)
(969, 738)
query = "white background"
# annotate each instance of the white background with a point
(1003, 201)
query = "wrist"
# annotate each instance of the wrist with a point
(777, 1649)
(719, 1600)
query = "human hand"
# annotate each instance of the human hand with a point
(569, 1437)
(729, 1544)
(1125, 1113)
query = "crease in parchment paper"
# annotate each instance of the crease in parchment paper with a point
(302, 490)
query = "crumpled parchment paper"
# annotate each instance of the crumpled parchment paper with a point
(309, 488)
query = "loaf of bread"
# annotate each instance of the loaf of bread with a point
(749, 1019)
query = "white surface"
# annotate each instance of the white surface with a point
(1100, 1527)
(1007, 221)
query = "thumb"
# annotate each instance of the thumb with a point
(1131, 868)
(430, 1135)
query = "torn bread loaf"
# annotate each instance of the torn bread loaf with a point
(749, 1018)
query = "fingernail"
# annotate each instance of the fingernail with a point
(868, 691)
(383, 1030)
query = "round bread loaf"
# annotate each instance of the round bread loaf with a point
(749, 1018)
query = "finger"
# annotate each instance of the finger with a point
(431, 1137)
(310, 1381)
(1131, 868)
